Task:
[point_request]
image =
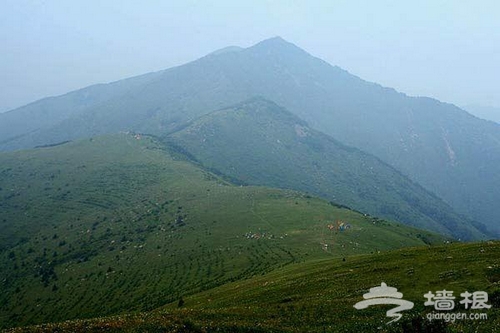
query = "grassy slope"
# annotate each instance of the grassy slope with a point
(438, 145)
(116, 224)
(318, 296)
(260, 143)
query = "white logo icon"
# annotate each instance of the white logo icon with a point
(385, 295)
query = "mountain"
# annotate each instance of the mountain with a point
(20, 127)
(319, 295)
(259, 143)
(121, 223)
(438, 145)
(486, 112)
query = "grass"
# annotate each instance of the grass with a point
(259, 143)
(116, 224)
(318, 296)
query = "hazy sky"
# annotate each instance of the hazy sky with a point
(449, 50)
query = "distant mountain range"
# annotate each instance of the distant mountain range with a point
(438, 145)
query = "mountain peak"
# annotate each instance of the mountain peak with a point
(274, 40)
(276, 44)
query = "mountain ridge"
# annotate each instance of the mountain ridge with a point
(261, 143)
(436, 144)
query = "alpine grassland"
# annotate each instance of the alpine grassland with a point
(318, 296)
(122, 223)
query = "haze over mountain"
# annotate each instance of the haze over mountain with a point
(484, 112)
(445, 149)
(259, 143)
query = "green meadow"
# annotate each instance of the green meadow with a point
(119, 224)
(318, 296)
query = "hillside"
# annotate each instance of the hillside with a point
(259, 143)
(319, 295)
(26, 123)
(485, 112)
(443, 148)
(121, 223)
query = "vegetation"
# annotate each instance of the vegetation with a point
(116, 224)
(127, 232)
(257, 142)
(318, 296)
(443, 148)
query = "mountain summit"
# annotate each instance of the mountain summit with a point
(438, 145)
(276, 44)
